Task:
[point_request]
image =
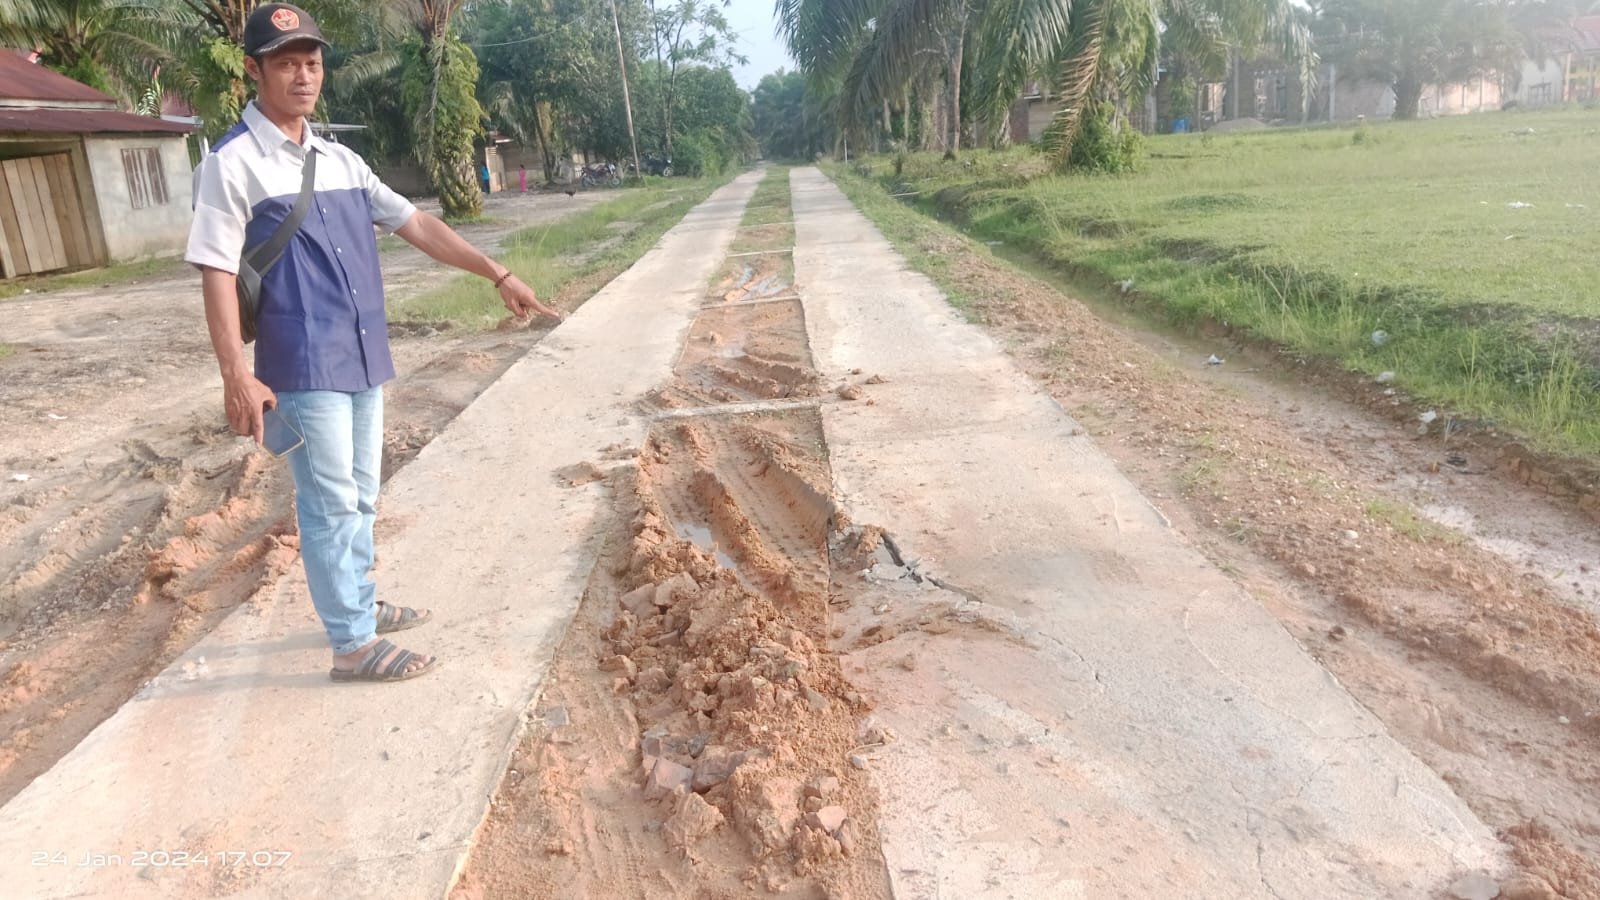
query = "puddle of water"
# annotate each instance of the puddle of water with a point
(1564, 560)
(701, 536)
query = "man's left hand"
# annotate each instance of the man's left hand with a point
(520, 299)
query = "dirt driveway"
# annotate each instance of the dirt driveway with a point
(131, 519)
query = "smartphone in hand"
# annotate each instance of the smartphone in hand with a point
(277, 435)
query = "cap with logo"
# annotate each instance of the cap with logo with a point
(273, 25)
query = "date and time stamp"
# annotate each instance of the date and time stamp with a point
(164, 859)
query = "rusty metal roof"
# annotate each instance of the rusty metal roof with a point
(86, 121)
(23, 80)
(1587, 29)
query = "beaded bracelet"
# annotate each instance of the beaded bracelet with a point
(501, 280)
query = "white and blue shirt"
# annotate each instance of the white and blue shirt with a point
(322, 323)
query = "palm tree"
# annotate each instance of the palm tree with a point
(1096, 52)
(441, 93)
(438, 76)
(107, 44)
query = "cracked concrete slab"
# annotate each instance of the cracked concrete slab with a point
(243, 746)
(1114, 717)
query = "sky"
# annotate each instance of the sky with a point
(752, 19)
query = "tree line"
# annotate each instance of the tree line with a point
(431, 79)
(947, 74)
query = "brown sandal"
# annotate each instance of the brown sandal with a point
(393, 618)
(394, 671)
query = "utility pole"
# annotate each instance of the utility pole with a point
(627, 101)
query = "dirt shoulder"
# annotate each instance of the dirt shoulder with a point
(131, 519)
(1481, 662)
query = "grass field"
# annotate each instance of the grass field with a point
(601, 241)
(1315, 239)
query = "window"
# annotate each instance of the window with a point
(147, 184)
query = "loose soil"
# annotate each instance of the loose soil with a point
(694, 738)
(131, 519)
(1478, 648)
(765, 276)
(743, 353)
(696, 734)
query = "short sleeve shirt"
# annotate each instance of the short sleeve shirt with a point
(322, 324)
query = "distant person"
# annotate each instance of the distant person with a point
(483, 175)
(522, 178)
(322, 346)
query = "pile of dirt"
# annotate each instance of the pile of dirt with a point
(732, 757)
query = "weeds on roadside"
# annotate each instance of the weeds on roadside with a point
(549, 256)
(1405, 521)
(1316, 251)
(1197, 475)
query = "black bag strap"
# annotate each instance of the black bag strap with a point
(266, 255)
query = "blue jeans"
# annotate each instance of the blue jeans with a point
(336, 475)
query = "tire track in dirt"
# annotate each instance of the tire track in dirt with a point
(695, 737)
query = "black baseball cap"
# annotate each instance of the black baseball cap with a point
(273, 25)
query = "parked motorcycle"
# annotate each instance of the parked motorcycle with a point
(656, 164)
(601, 174)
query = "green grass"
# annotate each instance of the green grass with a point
(1405, 521)
(162, 267)
(603, 239)
(7, 351)
(767, 224)
(1313, 239)
(770, 205)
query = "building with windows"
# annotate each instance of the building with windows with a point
(1569, 69)
(81, 182)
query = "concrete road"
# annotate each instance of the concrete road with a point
(1091, 709)
(242, 771)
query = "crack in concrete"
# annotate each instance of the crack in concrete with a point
(913, 570)
(1261, 870)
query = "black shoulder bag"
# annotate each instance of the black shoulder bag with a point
(256, 261)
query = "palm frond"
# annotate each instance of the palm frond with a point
(1079, 71)
(362, 70)
(1013, 46)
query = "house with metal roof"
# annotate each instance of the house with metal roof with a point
(81, 182)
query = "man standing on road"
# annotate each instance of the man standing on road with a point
(322, 348)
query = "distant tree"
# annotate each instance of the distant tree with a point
(688, 32)
(1410, 44)
(783, 125)
(549, 69)
(713, 109)
(1100, 55)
